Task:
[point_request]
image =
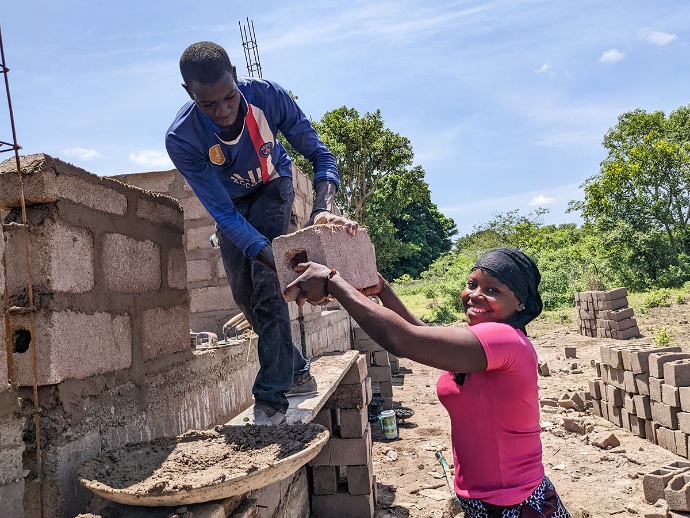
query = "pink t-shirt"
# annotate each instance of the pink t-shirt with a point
(494, 419)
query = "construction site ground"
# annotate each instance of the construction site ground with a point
(592, 482)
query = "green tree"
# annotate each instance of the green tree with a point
(366, 152)
(645, 178)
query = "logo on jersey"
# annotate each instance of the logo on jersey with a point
(253, 178)
(215, 154)
(266, 149)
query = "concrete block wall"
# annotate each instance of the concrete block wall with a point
(101, 255)
(211, 302)
(606, 314)
(342, 474)
(646, 390)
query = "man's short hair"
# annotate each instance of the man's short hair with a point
(204, 62)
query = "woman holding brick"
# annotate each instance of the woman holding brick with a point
(489, 386)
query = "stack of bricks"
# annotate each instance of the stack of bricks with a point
(379, 362)
(646, 390)
(605, 314)
(342, 474)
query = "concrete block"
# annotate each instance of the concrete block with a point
(614, 395)
(130, 265)
(570, 352)
(617, 377)
(684, 396)
(629, 384)
(639, 356)
(623, 324)
(193, 209)
(637, 427)
(657, 361)
(326, 419)
(614, 415)
(156, 181)
(162, 211)
(681, 443)
(345, 452)
(46, 180)
(349, 396)
(595, 386)
(198, 238)
(642, 406)
(654, 482)
(620, 314)
(379, 374)
(199, 271)
(12, 499)
(596, 407)
(684, 422)
(626, 334)
(628, 403)
(342, 505)
(380, 358)
(669, 395)
(325, 479)
(211, 298)
(615, 294)
(327, 331)
(165, 331)
(665, 415)
(353, 422)
(610, 356)
(177, 269)
(655, 388)
(650, 428)
(665, 438)
(614, 304)
(357, 372)
(359, 479)
(642, 384)
(75, 345)
(677, 492)
(62, 255)
(352, 256)
(677, 373)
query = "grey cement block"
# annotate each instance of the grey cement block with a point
(353, 422)
(325, 479)
(677, 373)
(197, 238)
(130, 265)
(74, 345)
(638, 356)
(642, 384)
(47, 180)
(677, 492)
(164, 331)
(657, 361)
(642, 406)
(199, 271)
(12, 499)
(665, 415)
(193, 209)
(328, 331)
(352, 256)
(359, 479)
(615, 294)
(161, 210)
(669, 395)
(343, 505)
(62, 255)
(176, 274)
(654, 482)
(684, 395)
(357, 372)
(211, 298)
(684, 422)
(655, 385)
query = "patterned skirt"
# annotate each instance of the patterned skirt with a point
(544, 502)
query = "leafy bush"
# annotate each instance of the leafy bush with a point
(657, 299)
(662, 338)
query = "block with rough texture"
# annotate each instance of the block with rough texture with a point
(657, 361)
(677, 492)
(165, 331)
(130, 265)
(666, 415)
(615, 293)
(352, 256)
(636, 358)
(677, 373)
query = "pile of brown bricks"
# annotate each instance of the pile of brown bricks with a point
(342, 474)
(380, 363)
(605, 314)
(646, 390)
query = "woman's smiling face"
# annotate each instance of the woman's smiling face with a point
(486, 299)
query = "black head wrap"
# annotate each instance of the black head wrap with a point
(521, 275)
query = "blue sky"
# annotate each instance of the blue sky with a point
(505, 102)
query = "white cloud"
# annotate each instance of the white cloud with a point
(541, 200)
(544, 68)
(81, 153)
(611, 56)
(151, 158)
(658, 38)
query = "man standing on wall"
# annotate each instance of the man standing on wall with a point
(224, 143)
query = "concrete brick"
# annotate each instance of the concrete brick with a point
(684, 396)
(47, 180)
(349, 396)
(677, 492)
(614, 414)
(617, 377)
(327, 331)
(614, 395)
(642, 406)
(610, 356)
(165, 331)
(61, 255)
(380, 358)
(359, 479)
(595, 386)
(345, 452)
(629, 384)
(325, 479)
(177, 269)
(681, 443)
(596, 407)
(193, 209)
(622, 325)
(665, 415)
(684, 422)
(677, 373)
(161, 210)
(639, 356)
(211, 298)
(357, 372)
(342, 505)
(352, 256)
(637, 427)
(655, 388)
(156, 181)
(626, 334)
(657, 361)
(75, 345)
(197, 238)
(379, 374)
(669, 395)
(199, 271)
(664, 439)
(614, 304)
(385, 389)
(642, 384)
(615, 294)
(628, 403)
(130, 265)
(650, 428)
(654, 482)
(353, 422)
(220, 269)
(619, 314)
(325, 419)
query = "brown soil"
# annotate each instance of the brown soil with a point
(198, 458)
(591, 481)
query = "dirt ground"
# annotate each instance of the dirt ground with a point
(592, 482)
